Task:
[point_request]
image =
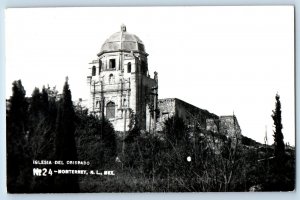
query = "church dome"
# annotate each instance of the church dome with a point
(123, 41)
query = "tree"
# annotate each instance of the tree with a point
(65, 146)
(98, 147)
(134, 128)
(35, 104)
(36, 120)
(18, 165)
(176, 130)
(278, 136)
(44, 100)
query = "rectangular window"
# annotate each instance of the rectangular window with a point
(93, 71)
(112, 63)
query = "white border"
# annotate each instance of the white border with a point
(145, 196)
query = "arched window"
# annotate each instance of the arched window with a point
(111, 79)
(98, 104)
(110, 110)
(93, 71)
(129, 67)
(100, 66)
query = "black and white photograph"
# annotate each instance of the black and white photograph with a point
(150, 99)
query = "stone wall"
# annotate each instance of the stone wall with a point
(166, 109)
(229, 126)
(188, 112)
(225, 125)
(212, 125)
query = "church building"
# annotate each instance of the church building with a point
(120, 86)
(119, 81)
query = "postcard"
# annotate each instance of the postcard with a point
(150, 99)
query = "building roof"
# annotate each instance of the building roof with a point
(189, 107)
(123, 41)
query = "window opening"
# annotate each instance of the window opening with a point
(112, 64)
(110, 110)
(93, 71)
(111, 79)
(129, 67)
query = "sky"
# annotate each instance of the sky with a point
(223, 59)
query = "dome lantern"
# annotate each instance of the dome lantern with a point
(123, 28)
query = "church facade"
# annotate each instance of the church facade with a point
(120, 85)
(119, 81)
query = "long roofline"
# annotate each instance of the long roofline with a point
(188, 104)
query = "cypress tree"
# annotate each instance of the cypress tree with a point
(65, 146)
(40, 137)
(278, 136)
(35, 104)
(34, 118)
(18, 165)
(45, 100)
(39, 124)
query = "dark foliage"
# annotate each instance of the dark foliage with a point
(65, 147)
(41, 141)
(280, 174)
(278, 136)
(96, 140)
(176, 130)
(215, 164)
(40, 126)
(249, 142)
(180, 159)
(18, 164)
(134, 128)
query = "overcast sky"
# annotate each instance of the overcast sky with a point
(222, 59)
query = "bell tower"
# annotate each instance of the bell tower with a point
(119, 81)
